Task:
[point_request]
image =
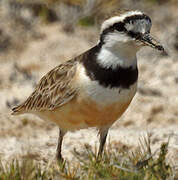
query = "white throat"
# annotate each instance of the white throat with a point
(117, 50)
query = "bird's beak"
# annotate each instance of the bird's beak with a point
(148, 40)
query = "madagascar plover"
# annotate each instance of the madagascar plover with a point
(95, 88)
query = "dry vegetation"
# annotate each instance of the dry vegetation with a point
(121, 164)
(37, 35)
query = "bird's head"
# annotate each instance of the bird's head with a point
(131, 27)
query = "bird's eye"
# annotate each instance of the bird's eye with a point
(131, 22)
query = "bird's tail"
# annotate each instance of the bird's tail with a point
(17, 110)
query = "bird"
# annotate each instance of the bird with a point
(95, 88)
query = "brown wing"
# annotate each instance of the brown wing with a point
(53, 90)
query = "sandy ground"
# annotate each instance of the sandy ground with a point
(154, 108)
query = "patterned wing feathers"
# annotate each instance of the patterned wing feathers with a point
(53, 90)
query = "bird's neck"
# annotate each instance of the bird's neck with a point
(113, 54)
(109, 68)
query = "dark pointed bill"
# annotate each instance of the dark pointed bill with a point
(148, 40)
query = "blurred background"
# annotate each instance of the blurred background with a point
(37, 35)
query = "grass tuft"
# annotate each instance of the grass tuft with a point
(115, 164)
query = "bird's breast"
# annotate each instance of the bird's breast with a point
(93, 106)
(102, 95)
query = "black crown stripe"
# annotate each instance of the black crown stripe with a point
(120, 26)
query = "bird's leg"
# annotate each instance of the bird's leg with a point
(103, 134)
(59, 145)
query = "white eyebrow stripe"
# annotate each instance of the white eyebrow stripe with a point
(115, 19)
